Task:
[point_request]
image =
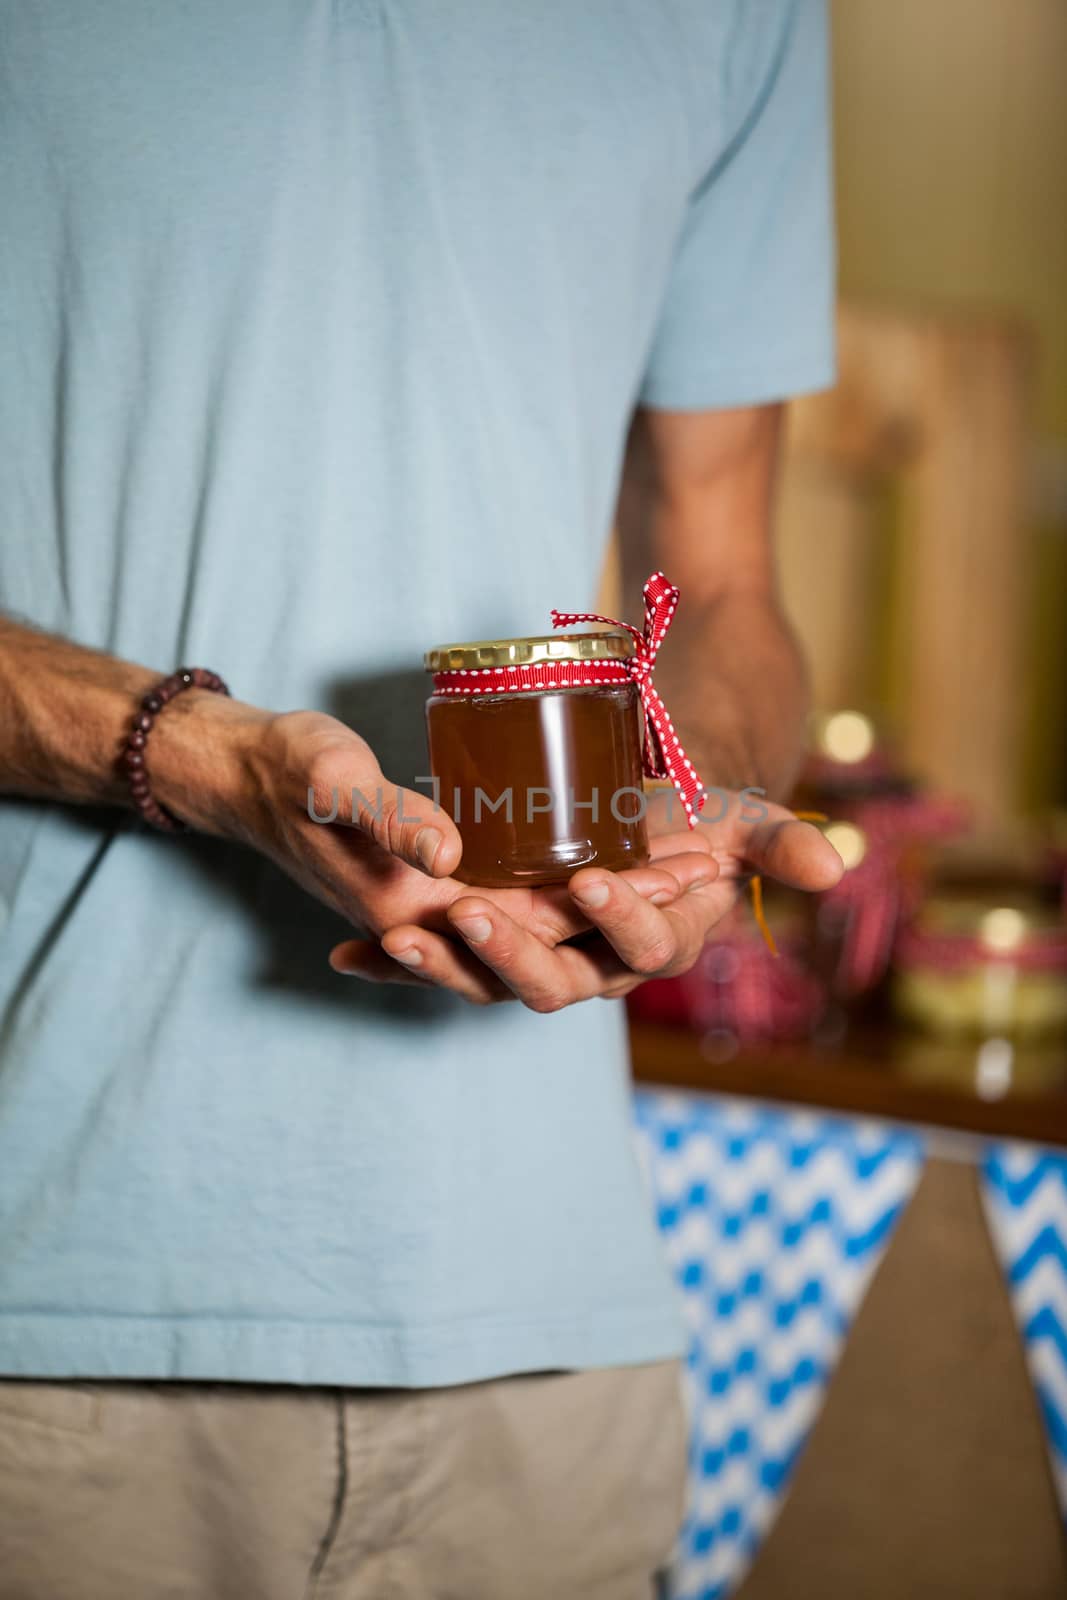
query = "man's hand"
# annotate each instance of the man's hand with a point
(634, 938)
(385, 859)
(384, 863)
(241, 773)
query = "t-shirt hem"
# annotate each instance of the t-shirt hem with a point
(45, 1346)
(718, 388)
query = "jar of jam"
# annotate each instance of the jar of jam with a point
(536, 752)
(984, 964)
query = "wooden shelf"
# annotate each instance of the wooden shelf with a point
(874, 1071)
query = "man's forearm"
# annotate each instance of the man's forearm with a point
(697, 500)
(65, 711)
(734, 681)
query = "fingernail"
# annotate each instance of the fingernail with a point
(662, 897)
(427, 844)
(476, 929)
(698, 883)
(593, 895)
(411, 957)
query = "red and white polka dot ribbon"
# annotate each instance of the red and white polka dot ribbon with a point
(663, 753)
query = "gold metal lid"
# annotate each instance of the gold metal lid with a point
(522, 652)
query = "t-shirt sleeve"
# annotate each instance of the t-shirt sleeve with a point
(748, 313)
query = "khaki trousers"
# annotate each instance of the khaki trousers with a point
(548, 1486)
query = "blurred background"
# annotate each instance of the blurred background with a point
(923, 538)
(951, 162)
(923, 551)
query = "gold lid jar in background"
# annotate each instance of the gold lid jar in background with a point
(983, 964)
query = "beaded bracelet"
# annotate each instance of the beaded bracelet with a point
(133, 752)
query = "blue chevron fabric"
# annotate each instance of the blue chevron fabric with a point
(774, 1221)
(1025, 1193)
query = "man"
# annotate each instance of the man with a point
(325, 326)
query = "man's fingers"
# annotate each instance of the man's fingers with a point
(364, 958)
(405, 824)
(689, 869)
(651, 920)
(500, 959)
(668, 878)
(660, 882)
(795, 853)
(553, 916)
(548, 978)
(649, 939)
(544, 979)
(446, 963)
(679, 841)
(413, 956)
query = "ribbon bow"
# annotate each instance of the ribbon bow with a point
(662, 755)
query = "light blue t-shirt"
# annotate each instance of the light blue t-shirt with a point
(321, 323)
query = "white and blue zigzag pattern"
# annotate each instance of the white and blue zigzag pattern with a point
(1025, 1191)
(774, 1222)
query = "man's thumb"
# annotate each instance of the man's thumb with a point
(408, 825)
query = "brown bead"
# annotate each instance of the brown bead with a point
(134, 758)
(136, 741)
(143, 721)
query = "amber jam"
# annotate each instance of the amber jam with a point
(540, 782)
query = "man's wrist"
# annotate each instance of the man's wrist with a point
(200, 762)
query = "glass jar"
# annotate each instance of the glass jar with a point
(984, 966)
(981, 979)
(535, 749)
